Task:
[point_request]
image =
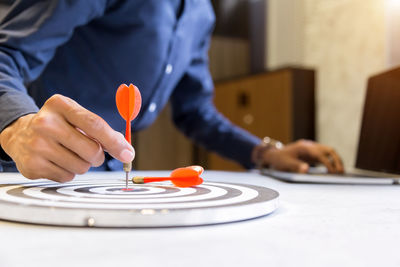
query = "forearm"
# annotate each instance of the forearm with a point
(30, 34)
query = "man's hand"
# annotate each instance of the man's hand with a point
(61, 140)
(296, 157)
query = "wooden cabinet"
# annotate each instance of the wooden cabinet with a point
(279, 104)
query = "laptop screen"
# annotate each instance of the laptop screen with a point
(379, 143)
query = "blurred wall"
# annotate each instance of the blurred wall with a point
(392, 18)
(344, 40)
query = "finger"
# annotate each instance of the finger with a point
(291, 164)
(324, 159)
(58, 174)
(79, 143)
(317, 153)
(55, 128)
(42, 168)
(95, 127)
(85, 147)
(66, 159)
(337, 162)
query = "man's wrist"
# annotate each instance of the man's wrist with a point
(5, 134)
(259, 152)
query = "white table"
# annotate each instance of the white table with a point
(315, 225)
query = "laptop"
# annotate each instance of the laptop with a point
(378, 155)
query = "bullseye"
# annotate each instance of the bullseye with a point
(126, 189)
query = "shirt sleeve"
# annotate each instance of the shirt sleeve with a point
(195, 115)
(29, 36)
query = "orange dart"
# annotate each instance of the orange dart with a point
(181, 177)
(129, 102)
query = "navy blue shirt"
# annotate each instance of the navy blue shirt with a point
(86, 49)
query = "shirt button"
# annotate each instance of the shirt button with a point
(168, 69)
(152, 107)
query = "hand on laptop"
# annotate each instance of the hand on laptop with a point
(296, 157)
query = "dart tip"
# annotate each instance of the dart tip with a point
(127, 167)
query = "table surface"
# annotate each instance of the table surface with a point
(315, 225)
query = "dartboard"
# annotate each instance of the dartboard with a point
(105, 204)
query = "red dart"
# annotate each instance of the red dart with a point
(181, 177)
(129, 102)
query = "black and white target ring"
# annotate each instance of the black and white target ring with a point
(105, 204)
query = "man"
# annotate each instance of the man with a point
(53, 51)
